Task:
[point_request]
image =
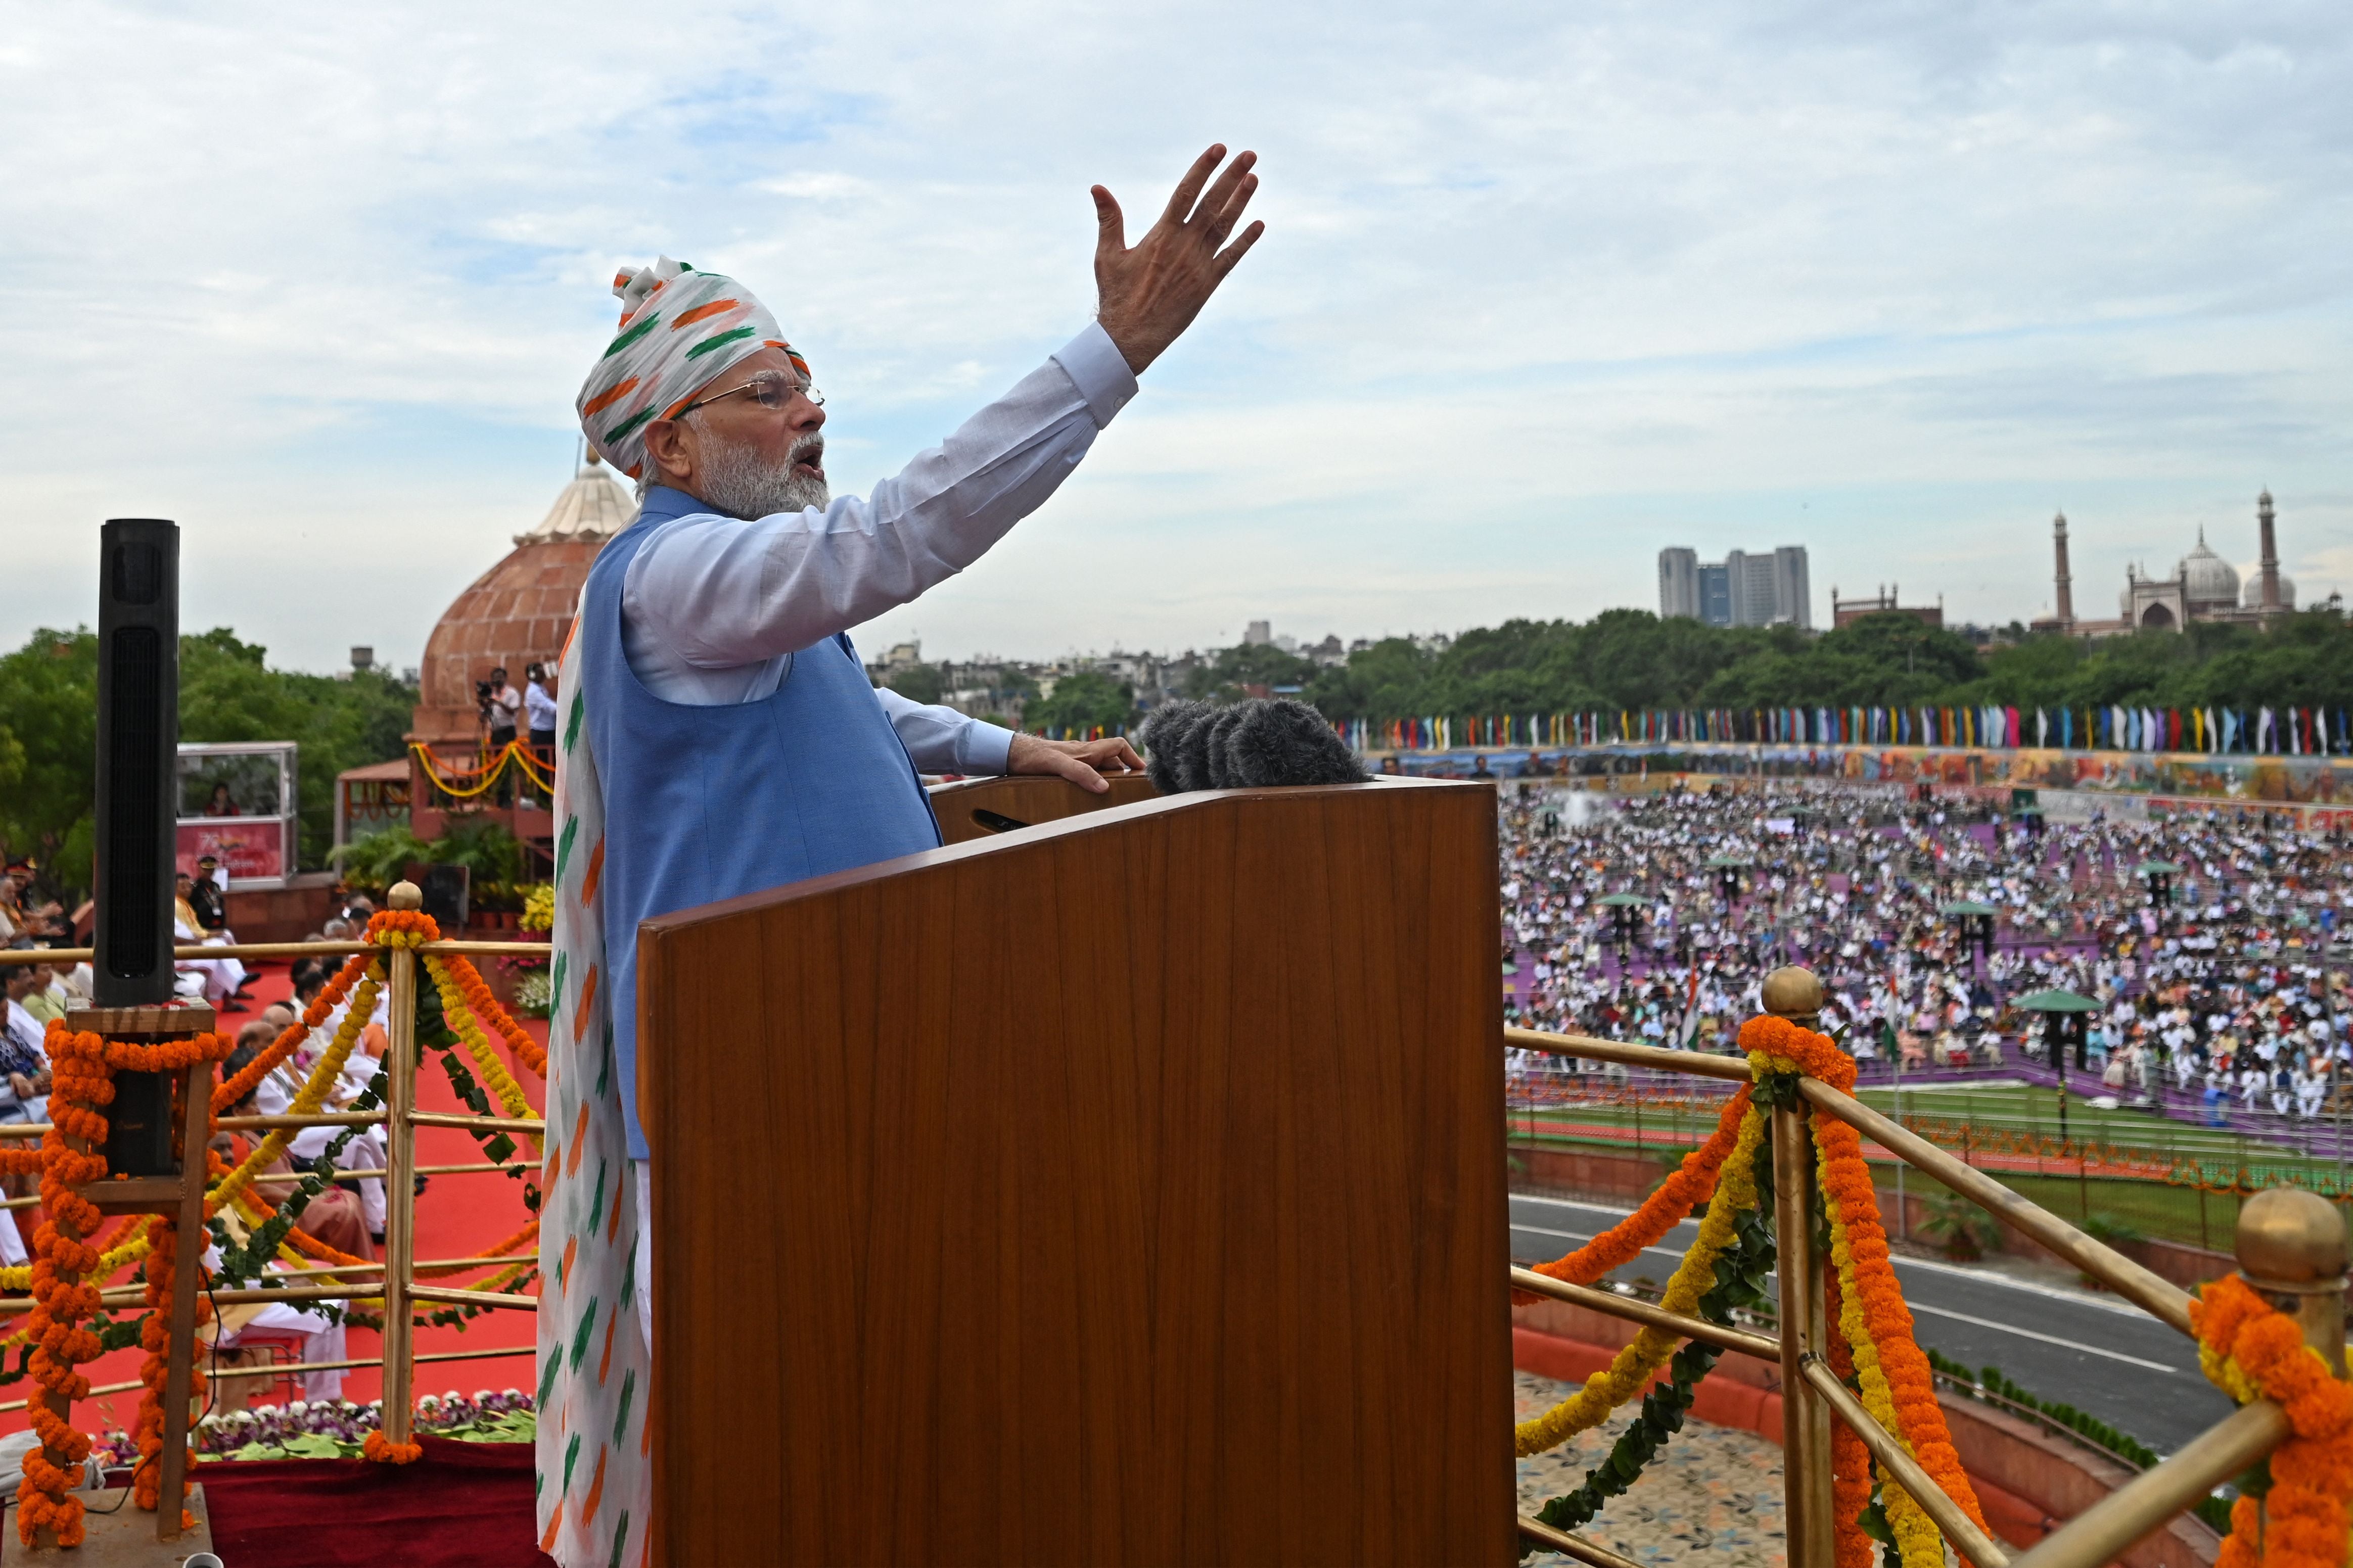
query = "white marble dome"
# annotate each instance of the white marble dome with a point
(2253, 598)
(592, 507)
(2206, 577)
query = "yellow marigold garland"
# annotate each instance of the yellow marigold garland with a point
(458, 1015)
(2250, 1350)
(1622, 1379)
(313, 1093)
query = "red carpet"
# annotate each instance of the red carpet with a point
(464, 1505)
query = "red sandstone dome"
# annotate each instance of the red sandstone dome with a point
(516, 613)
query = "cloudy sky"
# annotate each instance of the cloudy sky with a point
(1544, 289)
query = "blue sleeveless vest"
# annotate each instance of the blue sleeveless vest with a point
(704, 803)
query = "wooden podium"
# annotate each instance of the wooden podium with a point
(1123, 1189)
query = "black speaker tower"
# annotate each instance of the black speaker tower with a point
(138, 755)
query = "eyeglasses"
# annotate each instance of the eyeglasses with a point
(774, 389)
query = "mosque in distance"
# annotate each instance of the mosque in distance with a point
(2203, 587)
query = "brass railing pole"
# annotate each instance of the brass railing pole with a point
(1974, 1545)
(1633, 1308)
(1572, 1546)
(2161, 1299)
(2143, 1504)
(2291, 1248)
(1698, 1064)
(1805, 1419)
(400, 1184)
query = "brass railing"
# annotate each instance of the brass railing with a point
(2275, 1256)
(400, 1120)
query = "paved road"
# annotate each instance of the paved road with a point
(2109, 1360)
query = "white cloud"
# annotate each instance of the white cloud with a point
(1543, 291)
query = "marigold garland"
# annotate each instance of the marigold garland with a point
(1669, 1207)
(1897, 1385)
(290, 1038)
(402, 928)
(313, 1092)
(1850, 1460)
(463, 1010)
(1606, 1390)
(2251, 1350)
(477, 992)
(385, 1451)
(83, 1068)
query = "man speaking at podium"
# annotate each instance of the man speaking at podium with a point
(721, 737)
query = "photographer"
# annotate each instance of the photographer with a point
(539, 697)
(499, 704)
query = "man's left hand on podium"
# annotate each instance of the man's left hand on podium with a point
(1083, 762)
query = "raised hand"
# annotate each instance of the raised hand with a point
(1149, 295)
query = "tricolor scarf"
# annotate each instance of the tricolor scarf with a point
(593, 1449)
(679, 330)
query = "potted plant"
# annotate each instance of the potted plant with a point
(1958, 1229)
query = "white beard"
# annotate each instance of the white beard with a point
(742, 483)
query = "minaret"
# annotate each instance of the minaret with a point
(2066, 583)
(2271, 593)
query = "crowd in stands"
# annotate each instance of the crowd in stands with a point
(2210, 979)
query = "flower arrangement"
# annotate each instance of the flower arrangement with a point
(534, 993)
(338, 1429)
(2251, 1350)
(538, 907)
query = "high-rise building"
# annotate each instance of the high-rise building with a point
(1793, 589)
(1741, 590)
(1715, 594)
(1679, 583)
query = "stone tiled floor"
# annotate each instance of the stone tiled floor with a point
(1710, 1498)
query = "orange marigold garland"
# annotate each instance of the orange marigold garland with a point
(1850, 1460)
(292, 1038)
(528, 1051)
(402, 928)
(82, 1067)
(155, 1338)
(385, 1451)
(2249, 1349)
(1776, 1045)
(1692, 1183)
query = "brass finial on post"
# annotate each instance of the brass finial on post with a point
(1796, 994)
(406, 896)
(2291, 1249)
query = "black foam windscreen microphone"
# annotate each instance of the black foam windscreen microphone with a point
(1257, 744)
(1162, 738)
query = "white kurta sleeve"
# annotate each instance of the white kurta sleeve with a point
(942, 741)
(721, 593)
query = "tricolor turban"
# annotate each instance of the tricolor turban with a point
(680, 328)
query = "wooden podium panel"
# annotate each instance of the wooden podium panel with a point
(1029, 800)
(1125, 1190)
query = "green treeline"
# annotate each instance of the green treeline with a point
(1625, 659)
(48, 735)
